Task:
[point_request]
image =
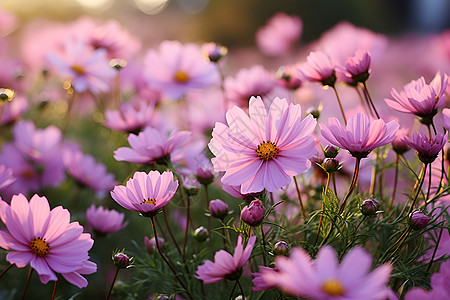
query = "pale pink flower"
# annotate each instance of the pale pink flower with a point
(226, 266)
(446, 118)
(324, 278)
(419, 98)
(176, 68)
(279, 34)
(146, 193)
(14, 110)
(46, 240)
(150, 146)
(259, 284)
(427, 148)
(6, 177)
(264, 149)
(289, 77)
(87, 69)
(356, 67)
(361, 135)
(255, 81)
(235, 191)
(104, 220)
(130, 117)
(318, 68)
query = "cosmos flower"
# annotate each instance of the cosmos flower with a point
(446, 118)
(427, 148)
(176, 68)
(264, 149)
(361, 135)
(439, 285)
(130, 117)
(104, 220)
(318, 68)
(146, 193)
(226, 266)
(6, 177)
(46, 240)
(357, 66)
(324, 278)
(150, 146)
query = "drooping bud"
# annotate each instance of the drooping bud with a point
(369, 207)
(201, 234)
(218, 209)
(253, 214)
(418, 220)
(281, 248)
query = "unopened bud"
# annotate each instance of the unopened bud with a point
(331, 151)
(201, 234)
(150, 244)
(281, 248)
(218, 209)
(418, 220)
(331, 165)
(253, 214)
(122, 261)
(369, 207)
(314, 111)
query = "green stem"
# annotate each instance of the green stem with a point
(340, 104)
(188, 216)
(321, 213)
(232, 290)
(397, 165)
(6, 270)
(435, 248)
(352, 185)
(112, 283)
(242, 290)
(263, 245)
(299, 198)
(28, 283)
(170, 232)
(366, 92)
(420, 183)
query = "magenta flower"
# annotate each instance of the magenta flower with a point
(259, 284)
(319, 68)
(357, 66)
(255, 81)
(46, 240)
(279, 34)
(263, 150)
(421, 99)
(427, 148)
(218, 209)
(361, 135)
(253, 214)
(174, 69)
(146, 193)
(130, 117)
(6, 177)
(226, 266)
(87, 69)
(104, 220)
(150, 146)
(324, 278)
(439, 285)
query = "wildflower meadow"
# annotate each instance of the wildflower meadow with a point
(135, 165)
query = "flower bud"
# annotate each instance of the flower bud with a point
(150, 244)
(289, 77)
(418, 220)
(314, 111)
(218, 209)
(331, 165)
(369, 207)
(205, 175)
(6, 94)
(281, 248)
(331, 151)
(122, 261)
(214, 52)
(201, 234)
(399, 146)
(190, 185)
(253, 214)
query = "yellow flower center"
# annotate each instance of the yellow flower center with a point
(267, 150)
(39, 246)
(333, 287)
(181, 77)
(149, 201)
(78, 68)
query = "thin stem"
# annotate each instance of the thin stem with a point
(263, 245)
(112, 283)
(435, 249)
(232, 290)
(188, 216)
(321, 213)
(340, 104)
(299, 198)
(28, 283)
(334, 183)
(404, 236)
(6, 270)
(441, 183)
(363, 103)
(354, 234)
(69, 110)
(170, 231)
(429, 183)
(165, 259)
(117, 90)
(394, 191)
(242, 290)
(366, 92)
(54, 290)
(352, 185)
(421, 180)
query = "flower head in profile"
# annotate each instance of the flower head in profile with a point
(46, 240)
(130, 117)
(225, 265)
(361, 135)
(319, 68)
(104, 220)
(176, 68)
(357, 67)
(427, 148)
(324, 278)
(146, 193)
(150, 146)
(421, 99)
(264, 149)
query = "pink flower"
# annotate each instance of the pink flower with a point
(279, 34)
(14, 110)
(8, 22)
(253, 214)
(146, 193)
(130, 117)
(357, 66)
(439, 284)
(427, 148)
(361, 135)
(421, 99)
(46, 240)
(259, 284)
(6, 177)
(150, 146)
(324, 278)
(87, 69)
(289, 77)
(263, 150)
(235, 191)
(218, 209)
(446, 118)
(318, 68)
(226, 266)
(103, 220)
(213, 51)
(174, 69)
(255, 81)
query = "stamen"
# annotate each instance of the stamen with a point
(149, 201)
(39, 246)
(267, 150)
(333, 287)
(78, 68)
(181, 77)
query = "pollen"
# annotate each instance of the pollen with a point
(181, 77)
(78, 69)
(149, 201)
(267, 150)
(333, 287)
(39, 246)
